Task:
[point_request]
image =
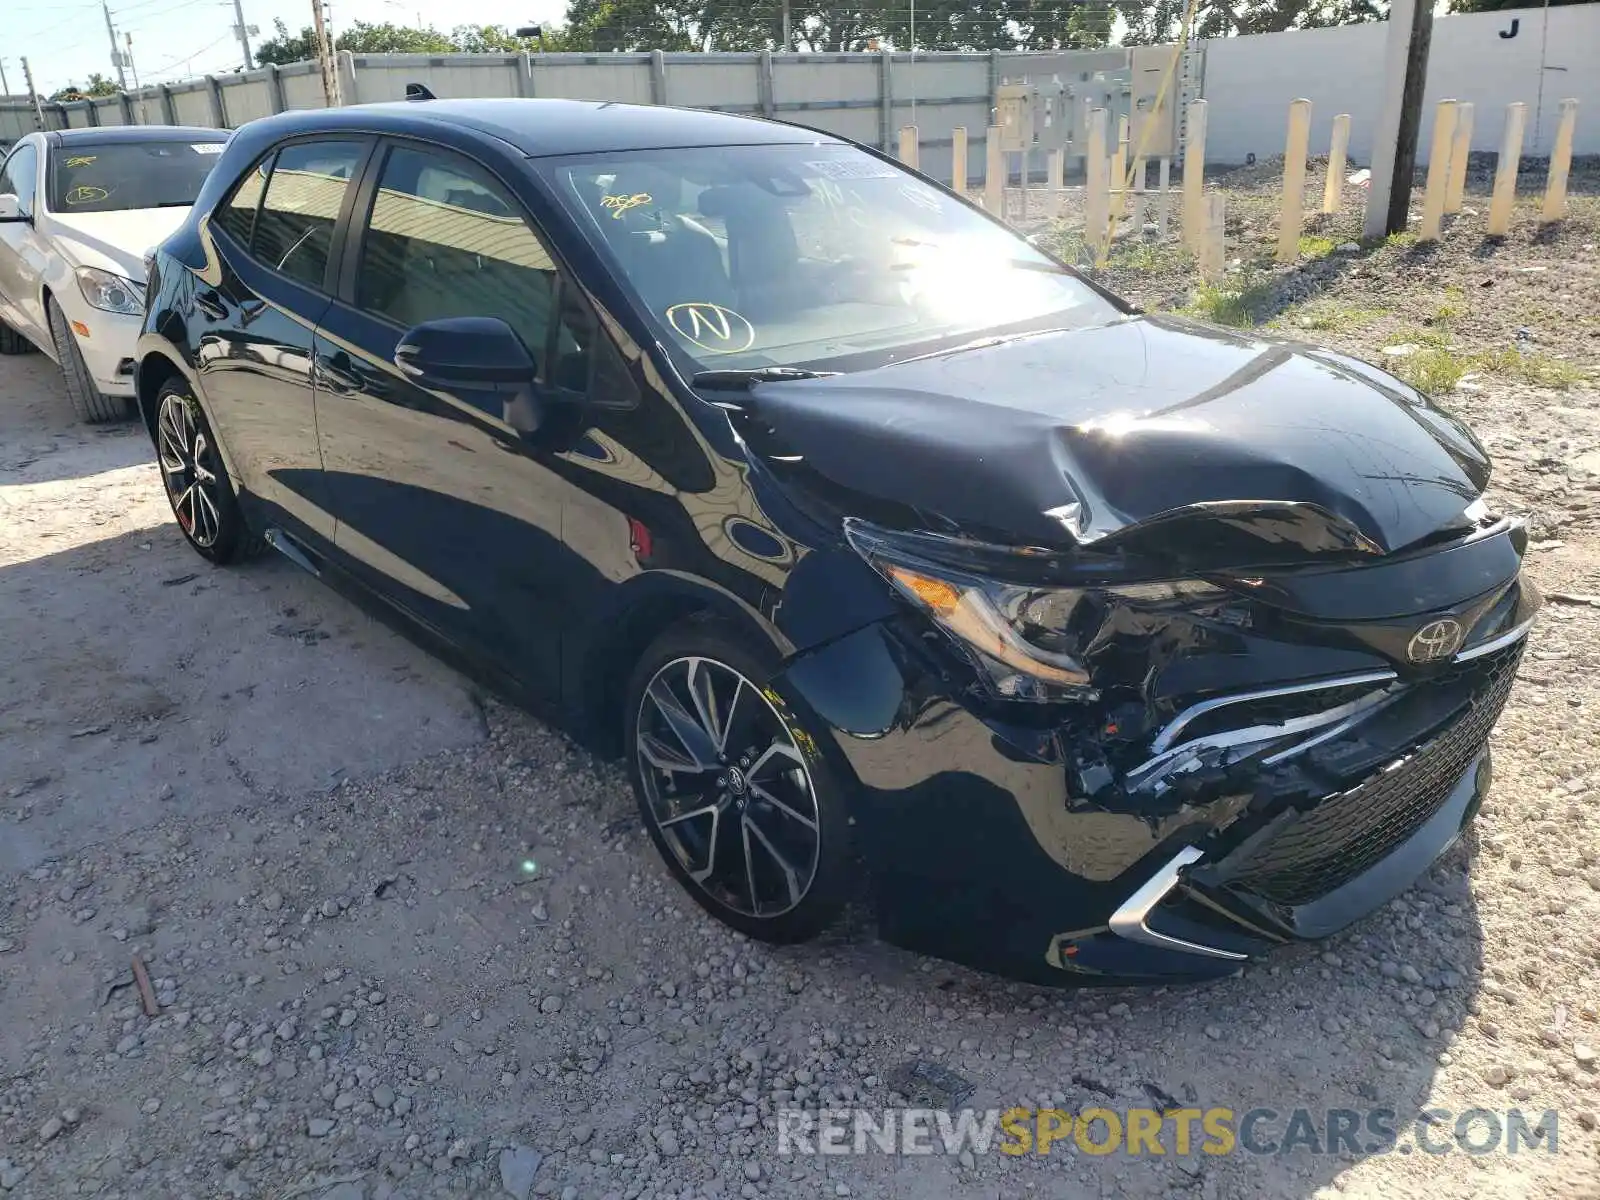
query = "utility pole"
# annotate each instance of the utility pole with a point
(33, 93)
(116, 55)
(788, 32)
(5, 88)
(330, 84)
(1394, 145)
(133, 70)
(244, 34)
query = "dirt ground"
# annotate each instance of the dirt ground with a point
(408, 942)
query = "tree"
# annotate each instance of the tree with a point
(1458, 6)
(1161, 20)
(98, 85)
(360, 37)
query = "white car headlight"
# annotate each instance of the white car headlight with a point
(110, 293)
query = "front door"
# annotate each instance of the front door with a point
(22, 250)
(443, 500)
(252, 327)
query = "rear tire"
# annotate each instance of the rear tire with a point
(12, 342)
(196, 482)
(735, 795)
(88, 401)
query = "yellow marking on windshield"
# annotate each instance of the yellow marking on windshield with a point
(712, 327)
(84, 194)
(81, 160)
(621, 204)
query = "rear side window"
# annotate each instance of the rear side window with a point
(238, 215)
(294, 230)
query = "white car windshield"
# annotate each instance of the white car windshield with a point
(789, 255)
(115, 176)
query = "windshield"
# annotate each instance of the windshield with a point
(115, 176)
(810, 255)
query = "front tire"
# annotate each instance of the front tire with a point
(88, 401)
(737, 799)
(196, 482)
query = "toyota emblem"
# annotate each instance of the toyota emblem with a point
(1435, 641)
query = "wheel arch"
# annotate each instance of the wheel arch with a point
(602, 656)
(154, 369)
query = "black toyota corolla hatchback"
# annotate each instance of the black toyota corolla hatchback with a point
(1095, 646)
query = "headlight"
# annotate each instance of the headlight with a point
(1029, 643)
(110, 293)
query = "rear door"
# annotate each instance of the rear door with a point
(275, 240)
(441, 500)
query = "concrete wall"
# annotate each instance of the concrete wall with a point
(1248, 82)
(1251, 80)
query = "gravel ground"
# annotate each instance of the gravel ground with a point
(404, 941)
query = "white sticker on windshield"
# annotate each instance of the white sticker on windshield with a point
(206, 147)
(852, 168)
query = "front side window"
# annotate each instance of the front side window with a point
(18, 178)
(294, 229)
(445, 240)
(91, 177)
(752, 256)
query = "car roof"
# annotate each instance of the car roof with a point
(546, 127)
(102, 135)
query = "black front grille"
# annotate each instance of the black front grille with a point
(1347, 833)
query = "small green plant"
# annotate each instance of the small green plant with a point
(1239, 306)
(1312, 246)
(1402, 239)
(1434, 371)
(1541, 370)
(1329, 316)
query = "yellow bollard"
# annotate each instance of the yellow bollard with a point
(1444, 135)
(958, 160)
(1505, 175)
(908, 146)
(1194, 174)
(994, 174)
(1333, 189)
(1097, 187)
(1292, 216)
(1119, 171)
(1213, 251)
(1555, 191)
(1460, 147)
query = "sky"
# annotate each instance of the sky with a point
(64, 40)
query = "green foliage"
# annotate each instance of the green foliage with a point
(98, 85)
(1238, 304)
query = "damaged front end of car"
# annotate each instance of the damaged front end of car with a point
(1154, 751)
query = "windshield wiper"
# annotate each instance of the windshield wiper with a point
(747, 378)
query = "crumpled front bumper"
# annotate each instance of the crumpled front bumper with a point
(983, 850)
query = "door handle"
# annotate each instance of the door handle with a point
(211, 304)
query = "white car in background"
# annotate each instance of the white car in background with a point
(78, 210)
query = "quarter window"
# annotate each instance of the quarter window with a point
(238, 215)
(294, 229)
(444, 239)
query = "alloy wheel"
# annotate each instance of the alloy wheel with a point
(189, 468)
(727, 788)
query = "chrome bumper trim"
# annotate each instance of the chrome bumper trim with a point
(1129, 920)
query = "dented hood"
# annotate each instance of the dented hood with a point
(1147, 424)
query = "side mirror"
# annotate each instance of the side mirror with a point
(11, 208)
(472, 353)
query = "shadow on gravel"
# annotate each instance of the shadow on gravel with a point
(138, 681)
